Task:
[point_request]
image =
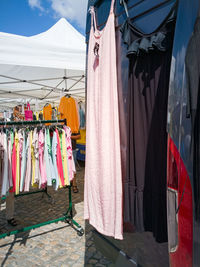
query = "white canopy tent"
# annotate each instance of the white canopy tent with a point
(42, 68)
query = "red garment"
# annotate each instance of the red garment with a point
(59, 160)
(14, 165)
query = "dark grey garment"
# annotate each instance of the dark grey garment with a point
(192, 66)
(145, 181)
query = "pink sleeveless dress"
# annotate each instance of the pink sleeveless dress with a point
(103, 178)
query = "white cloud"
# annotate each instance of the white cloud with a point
(35, 4)
(72, 10)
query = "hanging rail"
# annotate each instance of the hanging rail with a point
(5, 123)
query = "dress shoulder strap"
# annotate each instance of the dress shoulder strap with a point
(93, 18)
(112, 6)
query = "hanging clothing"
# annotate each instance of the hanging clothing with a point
(47, 162)
(72, 169)
(49, 149)
(17, 164)
(103, 179)
(35, 158)
(36, 155)
(47, 112)
(59, 161)
(64, 158)
(41, 159)
(54, 158)
(28, 166)
(23, 163)
(82, 115)
(13, 165)
(145, 181)
(192, 67)
(5, 182)
(10, 162)
(77, 111)
(68, 111)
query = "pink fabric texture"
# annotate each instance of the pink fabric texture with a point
(41, 159)
(28, 166)
(59, 160)
(14, 161)
(103, 178)
(10, 162)
(71, 165)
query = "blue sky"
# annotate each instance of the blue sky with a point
(30, 17)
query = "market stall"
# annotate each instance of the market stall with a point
(43, 67)
(40, 75)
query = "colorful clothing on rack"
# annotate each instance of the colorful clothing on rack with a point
(35, 157)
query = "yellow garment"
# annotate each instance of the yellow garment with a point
(17, 163)
(82, 140)
(32, 158)
(47, 112)
(37, 116)
(64, 158)
(68, 111)
(60, 184)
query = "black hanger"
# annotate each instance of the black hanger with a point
(68, 95)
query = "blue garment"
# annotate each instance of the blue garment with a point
(48, 141)
(82, 117)
(47, 163)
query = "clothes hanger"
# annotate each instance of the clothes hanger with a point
(68, 95)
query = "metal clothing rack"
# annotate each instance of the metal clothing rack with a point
(68, 216)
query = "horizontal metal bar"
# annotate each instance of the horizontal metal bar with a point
(28, 228)
(30, 193)
(31, 122)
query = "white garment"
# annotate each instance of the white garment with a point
(35, 144)
(5, 181)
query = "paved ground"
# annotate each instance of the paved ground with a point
(58, 244)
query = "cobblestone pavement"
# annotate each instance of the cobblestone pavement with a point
(58, 244)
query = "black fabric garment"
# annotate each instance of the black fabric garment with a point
(145, 182)
(192, 66)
